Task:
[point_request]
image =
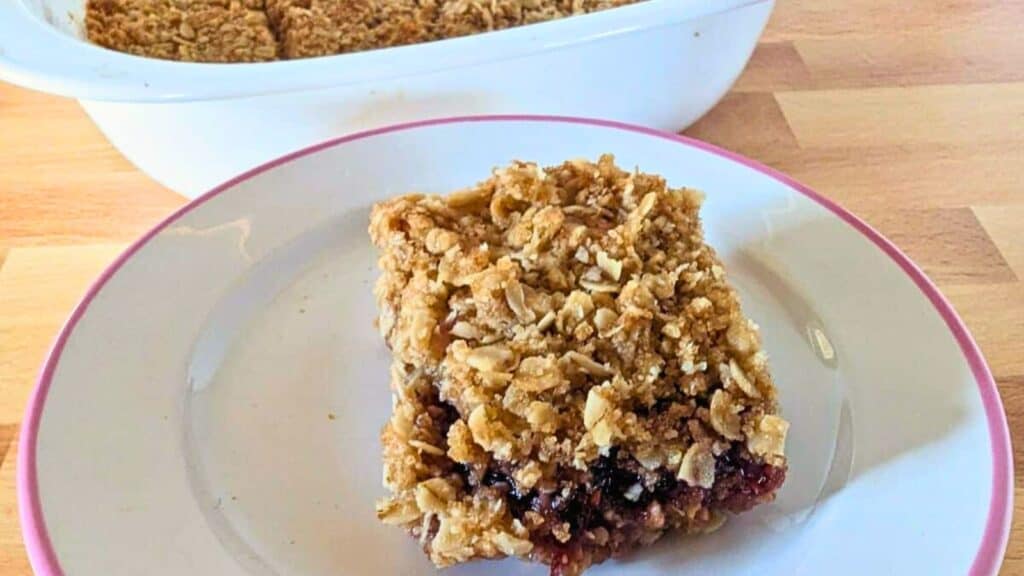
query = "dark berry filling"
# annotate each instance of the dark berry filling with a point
(614, 507)
(618, 505)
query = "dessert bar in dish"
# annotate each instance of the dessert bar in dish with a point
(261, 30)
(573, 376)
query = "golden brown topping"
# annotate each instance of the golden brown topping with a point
(549, 323)
(698, 466)
(257, 30)
(725, 415)
(769, 437)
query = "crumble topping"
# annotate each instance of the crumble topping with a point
(191, 30)
(572, 374)
(259, 30)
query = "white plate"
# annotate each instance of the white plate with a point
(213, 404)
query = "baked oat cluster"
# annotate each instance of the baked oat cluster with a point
(572, 374)
(260, 30)
(191, 30)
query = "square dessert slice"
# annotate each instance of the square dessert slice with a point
(189, 30)
(573, 376)
(308, 28)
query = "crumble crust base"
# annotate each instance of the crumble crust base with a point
(572, 374)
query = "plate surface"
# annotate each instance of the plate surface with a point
(213, 404)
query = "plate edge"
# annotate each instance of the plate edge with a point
(994, 540)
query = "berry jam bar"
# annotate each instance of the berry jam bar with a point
(572, 374)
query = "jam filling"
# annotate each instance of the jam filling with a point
(617, 506)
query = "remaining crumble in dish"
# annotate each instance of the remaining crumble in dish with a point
(192, 30)
(572, 374)
(256, 30)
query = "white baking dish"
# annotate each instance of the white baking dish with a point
(660, 63)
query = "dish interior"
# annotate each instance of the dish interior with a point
(67, 16)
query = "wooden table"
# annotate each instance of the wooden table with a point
(909, 113)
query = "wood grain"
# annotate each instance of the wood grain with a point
(39, 285)
(905, 115)
(1005, 225)
(910, 113)
(12, 553)
(967, 257)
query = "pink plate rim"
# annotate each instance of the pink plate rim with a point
(990, 552)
